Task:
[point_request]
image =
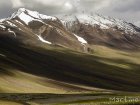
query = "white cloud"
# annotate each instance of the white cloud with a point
(93, 5)
(64, 5)
(17, 3)
(50, 2)
(68, 5)
(29, 3)
(124, 9)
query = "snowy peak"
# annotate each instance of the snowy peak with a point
(27, 16)
(102, 21)
(75, 31)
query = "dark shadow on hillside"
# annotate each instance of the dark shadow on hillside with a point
(66, 67)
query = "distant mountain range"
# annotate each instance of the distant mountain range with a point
(78, 32)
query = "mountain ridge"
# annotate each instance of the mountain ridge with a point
(67, 30)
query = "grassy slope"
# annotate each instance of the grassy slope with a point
(100, 70)
(5, 102)
(36, 69)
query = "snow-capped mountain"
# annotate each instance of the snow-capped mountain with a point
(37, 27)
(98, 29)
(96, 19)
(27, 16)
(78, 32)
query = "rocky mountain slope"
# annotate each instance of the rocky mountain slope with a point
(97, 29)
(77, 32)
(34, 27)
(68, 54)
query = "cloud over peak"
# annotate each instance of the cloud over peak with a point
(124, 9)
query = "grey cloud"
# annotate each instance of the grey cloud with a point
(5, 8)
(93, 5)
(125, 9)
(130, 5)
(49, 7)
(128, 10)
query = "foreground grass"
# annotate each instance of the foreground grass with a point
(6, 102)
(71, 99)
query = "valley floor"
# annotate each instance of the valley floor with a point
(71, 99)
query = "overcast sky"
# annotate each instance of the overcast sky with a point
(128, 10)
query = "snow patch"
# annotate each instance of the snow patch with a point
(47, 17)
(2, 26)
(11, 24)
(9, 30)
(2, 55)
(18, 22)
(41, 39)
(1, 20)
(33, 14)
(80, 39)
(25, 18)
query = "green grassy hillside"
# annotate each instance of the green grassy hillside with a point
(70, 70)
